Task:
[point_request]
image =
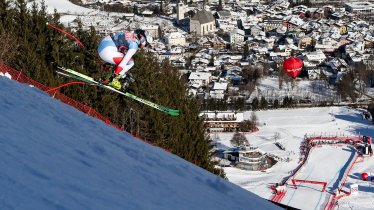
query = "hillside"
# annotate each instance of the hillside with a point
(54, 157)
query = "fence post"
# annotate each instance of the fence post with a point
(88, 113)
(54, 94)
(19, 75)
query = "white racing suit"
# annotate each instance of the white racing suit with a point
(118, 49)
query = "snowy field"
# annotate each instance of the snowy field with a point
(64, 6)
(315, 91)
(55, 157)
(99, 19)
(325, 164)
(292, 125)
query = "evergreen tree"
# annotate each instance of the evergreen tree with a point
(135, 10)
(8, 50)
(255, 104)
(238, 104)
(8, 46)
(184, 135)
(276, 104)
(6, 16)
(263, 103)
(286, 102)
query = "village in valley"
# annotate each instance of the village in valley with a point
(233, 51)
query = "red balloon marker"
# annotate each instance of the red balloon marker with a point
(292, 66)
(364, 176)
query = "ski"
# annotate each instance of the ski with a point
(84, 78)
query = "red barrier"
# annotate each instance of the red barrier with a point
(310, 182)
(65, 85)
(20, 77)
(280, 193)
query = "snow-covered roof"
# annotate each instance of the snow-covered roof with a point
(199, 76)
(203, 17)
(237, 31)
(220, 86)
(313, 56)
(174, 35)
(220, 115)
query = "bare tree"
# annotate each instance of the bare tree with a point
(247, 126)
(276, 136)
(362, 75)
(346, 86)
(239, 139)
(249, 87)
(266, 67)
(254, 118)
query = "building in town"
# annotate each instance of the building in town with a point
(202, 23)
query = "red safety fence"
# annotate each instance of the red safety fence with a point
(22, 78)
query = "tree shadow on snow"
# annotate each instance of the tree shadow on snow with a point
(369, 189)
(365, 126)
(354, 119)
(335, 185)
(356, 176)
(364, 130)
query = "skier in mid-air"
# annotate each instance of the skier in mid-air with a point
(118, 48)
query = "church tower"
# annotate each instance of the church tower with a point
(180, 11)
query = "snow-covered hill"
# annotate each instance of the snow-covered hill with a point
(64, 6)
(55, 157)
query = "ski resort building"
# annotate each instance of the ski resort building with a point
(222, 121)
(249, 158)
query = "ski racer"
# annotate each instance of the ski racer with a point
(118, 48)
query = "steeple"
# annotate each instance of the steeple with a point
(180, 11)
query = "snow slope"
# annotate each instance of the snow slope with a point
(64, 6)
(325, 164)
(55, 157)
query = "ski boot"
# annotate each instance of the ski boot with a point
(115, 82)
(119, 83)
